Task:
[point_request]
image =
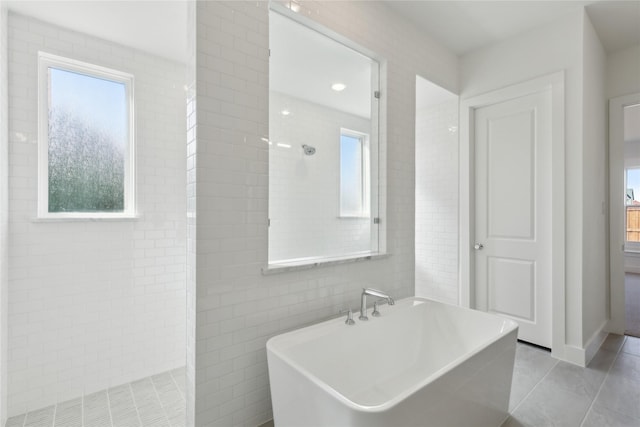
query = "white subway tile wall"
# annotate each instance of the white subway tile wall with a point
(236, 308)
(437, 202)
(304, 191)
(4, 208)
(95, 303)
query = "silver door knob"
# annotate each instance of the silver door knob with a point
(478, 246)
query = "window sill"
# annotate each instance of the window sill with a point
(299, 264)
(86, 219)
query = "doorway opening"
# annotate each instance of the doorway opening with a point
(631, 134)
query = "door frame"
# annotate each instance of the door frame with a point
(555, 83)
(617, 321)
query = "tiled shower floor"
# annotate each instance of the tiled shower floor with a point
(156, 401)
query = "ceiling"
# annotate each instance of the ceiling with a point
(464, 26)
(160, 27)
(155, 26)
(617, 23)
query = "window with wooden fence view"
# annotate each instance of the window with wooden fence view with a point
(633, 223)
(632, 209)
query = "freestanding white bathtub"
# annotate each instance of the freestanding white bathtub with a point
(422, 363)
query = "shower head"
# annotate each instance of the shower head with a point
(309, 150)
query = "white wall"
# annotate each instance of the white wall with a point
(95, 303)
(238, 309)
(305, 190)
(595, 282)
(557, 46)
(623, 69)
(4, 212)
(437, 199)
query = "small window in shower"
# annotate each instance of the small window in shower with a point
(354, 174)
(85, 140)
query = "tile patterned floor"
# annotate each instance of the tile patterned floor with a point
(156, 401)
(548, 392)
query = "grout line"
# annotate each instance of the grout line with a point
(176, 384)
(584, 418)
(160, 400)
(534, 387)
(135, 404)
(55, 411)
(109, 407)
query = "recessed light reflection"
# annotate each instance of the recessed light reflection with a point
(338, 87)
(285, 112)
(279, 144)
(294, 6)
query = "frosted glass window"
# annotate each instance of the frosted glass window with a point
(353, 175)
(86, 145)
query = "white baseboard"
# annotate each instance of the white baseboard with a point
(631, 269)
(594, 343)
(575, 355)
(616, 326)
(582, 356)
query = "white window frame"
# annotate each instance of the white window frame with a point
(366, 175)
(629, 246)
(46, 61)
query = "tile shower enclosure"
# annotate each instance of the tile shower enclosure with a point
(95, 303)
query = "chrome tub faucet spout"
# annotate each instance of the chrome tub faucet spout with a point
(374, 293)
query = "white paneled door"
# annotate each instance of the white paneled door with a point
(513, 213)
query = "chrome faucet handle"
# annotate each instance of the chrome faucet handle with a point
(349, 320)
(375, 312)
